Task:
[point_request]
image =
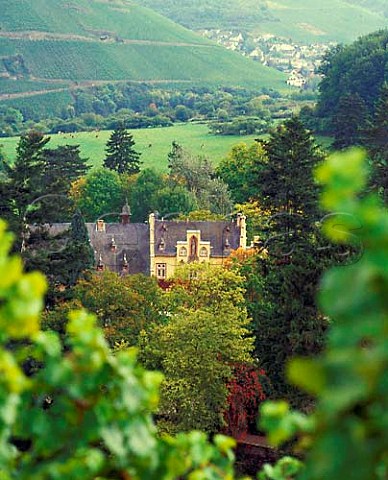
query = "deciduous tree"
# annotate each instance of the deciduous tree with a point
(376, 141)
(101, 193)
(206, 334)
(124, 305)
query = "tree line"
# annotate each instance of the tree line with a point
(140, 106)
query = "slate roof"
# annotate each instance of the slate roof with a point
(214, 232)
(130, 242)
(131, 239)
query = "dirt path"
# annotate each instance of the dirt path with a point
(80, 86)
(10, 96)
(40, 36)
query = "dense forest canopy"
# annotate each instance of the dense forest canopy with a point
(359, 68)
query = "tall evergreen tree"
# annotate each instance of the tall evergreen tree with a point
(62, 257)
(25, 177)
(64, 165)
(23, 183)
(286, 318)
(285, 185)
(79, 255)
(34, 189)
(121, 156)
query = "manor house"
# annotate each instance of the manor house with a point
(156, 248)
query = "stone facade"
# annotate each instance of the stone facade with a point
(174, 243)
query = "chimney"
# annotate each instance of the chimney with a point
(151, 221)
(241, 223)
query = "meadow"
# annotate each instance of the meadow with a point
(154, 144)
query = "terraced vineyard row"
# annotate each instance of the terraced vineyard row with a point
(91, 18)
(8, 86)
(76, 61)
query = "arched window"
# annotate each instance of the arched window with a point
(183, 252)
(203, 252)
(193, 248)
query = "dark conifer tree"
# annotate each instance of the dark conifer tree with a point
(26, 175)
(286, 318)
(121, 156)
(285, 185)
(23, 183)
(175, 154)
(64, 165)
(79, 255)
(62, 258)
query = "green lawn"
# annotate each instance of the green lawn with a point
(153, 143)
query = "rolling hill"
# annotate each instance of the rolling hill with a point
(302, 20)
(49, 47)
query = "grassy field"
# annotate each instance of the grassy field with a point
(153, 143)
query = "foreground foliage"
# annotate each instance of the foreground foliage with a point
(348, 431)
(95, 405)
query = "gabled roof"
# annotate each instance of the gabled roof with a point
(215, 232)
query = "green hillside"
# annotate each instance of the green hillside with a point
(52, 45)
(305, 20)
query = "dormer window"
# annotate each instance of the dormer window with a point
(100, 264)
(183, 252)
(162, 245)
(203, 252)
(100, 226)
(161, 270)
(125, 264)
(113, 245)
